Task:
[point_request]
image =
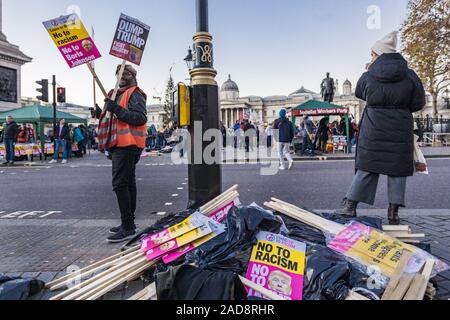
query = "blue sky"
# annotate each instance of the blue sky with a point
(269, 47)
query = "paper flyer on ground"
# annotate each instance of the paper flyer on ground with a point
(194, 221)
(278, 264)
(130, 39)
(179, 242)
(72, 40)
(173, 256)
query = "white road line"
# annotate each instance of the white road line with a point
(180, 188)
(168, 204)
(175, 195)
(160, 213)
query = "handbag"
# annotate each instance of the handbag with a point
(420, 163)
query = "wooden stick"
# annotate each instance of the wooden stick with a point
(395, 278)
(94, 74)
(413, 291)
(100, 291)
(105, 278)
(119, 78)
(146, 294)
(220, 204)
(264, 291)
(397, 228)
(221, 196)
(114, 264)
(402, 288)
(93, 279)
(426, 273)
(93, 266)
(406, 236)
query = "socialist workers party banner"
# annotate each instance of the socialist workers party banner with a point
(72, 40)
(130, 39)
(278, 264)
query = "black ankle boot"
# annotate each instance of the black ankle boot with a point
(350, 207)
(394, 218)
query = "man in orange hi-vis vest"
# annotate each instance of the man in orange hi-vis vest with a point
(129, 142)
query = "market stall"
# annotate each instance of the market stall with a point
(38, 116)
(315, 108)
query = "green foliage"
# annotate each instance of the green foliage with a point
(426, 44)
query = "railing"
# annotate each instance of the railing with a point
(433, 125)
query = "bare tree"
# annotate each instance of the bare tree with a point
(426, 44)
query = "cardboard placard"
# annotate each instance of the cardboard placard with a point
(130, 39)
(372, 247)
(193, 222)
(72, 39)
(180, 242)
(278, 264)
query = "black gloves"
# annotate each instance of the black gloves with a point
(111, 106)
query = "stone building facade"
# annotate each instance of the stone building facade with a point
(11, 62)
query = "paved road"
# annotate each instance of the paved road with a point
(83, 190)
(58, 216)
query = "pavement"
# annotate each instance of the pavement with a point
(51, 218)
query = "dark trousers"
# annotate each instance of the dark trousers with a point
(124, 183)
(307, 143)
(10, 150)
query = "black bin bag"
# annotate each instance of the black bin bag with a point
(231, 251)
(12, 289)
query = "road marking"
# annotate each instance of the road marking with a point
(175, 195)
(184, 183)
(160, 213)
(168, 204)
(180, 188)
(27, 214)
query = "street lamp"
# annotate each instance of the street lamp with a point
(447, 98)
(205, 179)
(189, 59)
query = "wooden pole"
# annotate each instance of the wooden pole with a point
(94, 74)
(119, 77)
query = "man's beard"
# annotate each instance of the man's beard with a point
(127, 83)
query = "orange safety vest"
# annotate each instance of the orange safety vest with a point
(128, 135)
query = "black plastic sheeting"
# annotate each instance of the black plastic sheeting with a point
(232, 250)
(192, 283)
(18, 288)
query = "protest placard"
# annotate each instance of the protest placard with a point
(72, 39)
(194, 221)
(278, 264)
(130, 39)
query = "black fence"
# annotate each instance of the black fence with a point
(433, 125)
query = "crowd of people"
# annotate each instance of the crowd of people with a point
(67, 136)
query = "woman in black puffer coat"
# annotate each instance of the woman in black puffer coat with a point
(393, 92)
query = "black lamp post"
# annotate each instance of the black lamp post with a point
(189, 60)
(447, 98)
(205, 180)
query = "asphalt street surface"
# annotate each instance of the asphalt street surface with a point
(82, 189)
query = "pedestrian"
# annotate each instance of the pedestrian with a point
(311, 130)
(131, 113)
(10, 133)
(393, 92)
(79, 139)
(258, 138)
(322, 134)
(286, 134)
(223, 130)
(23, 136)
(61, 138)
(237, 130)
(269, 134)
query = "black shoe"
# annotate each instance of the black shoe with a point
(394, 218)
(350, 207)
(5, 163)
(122, 236)
(117, 229)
